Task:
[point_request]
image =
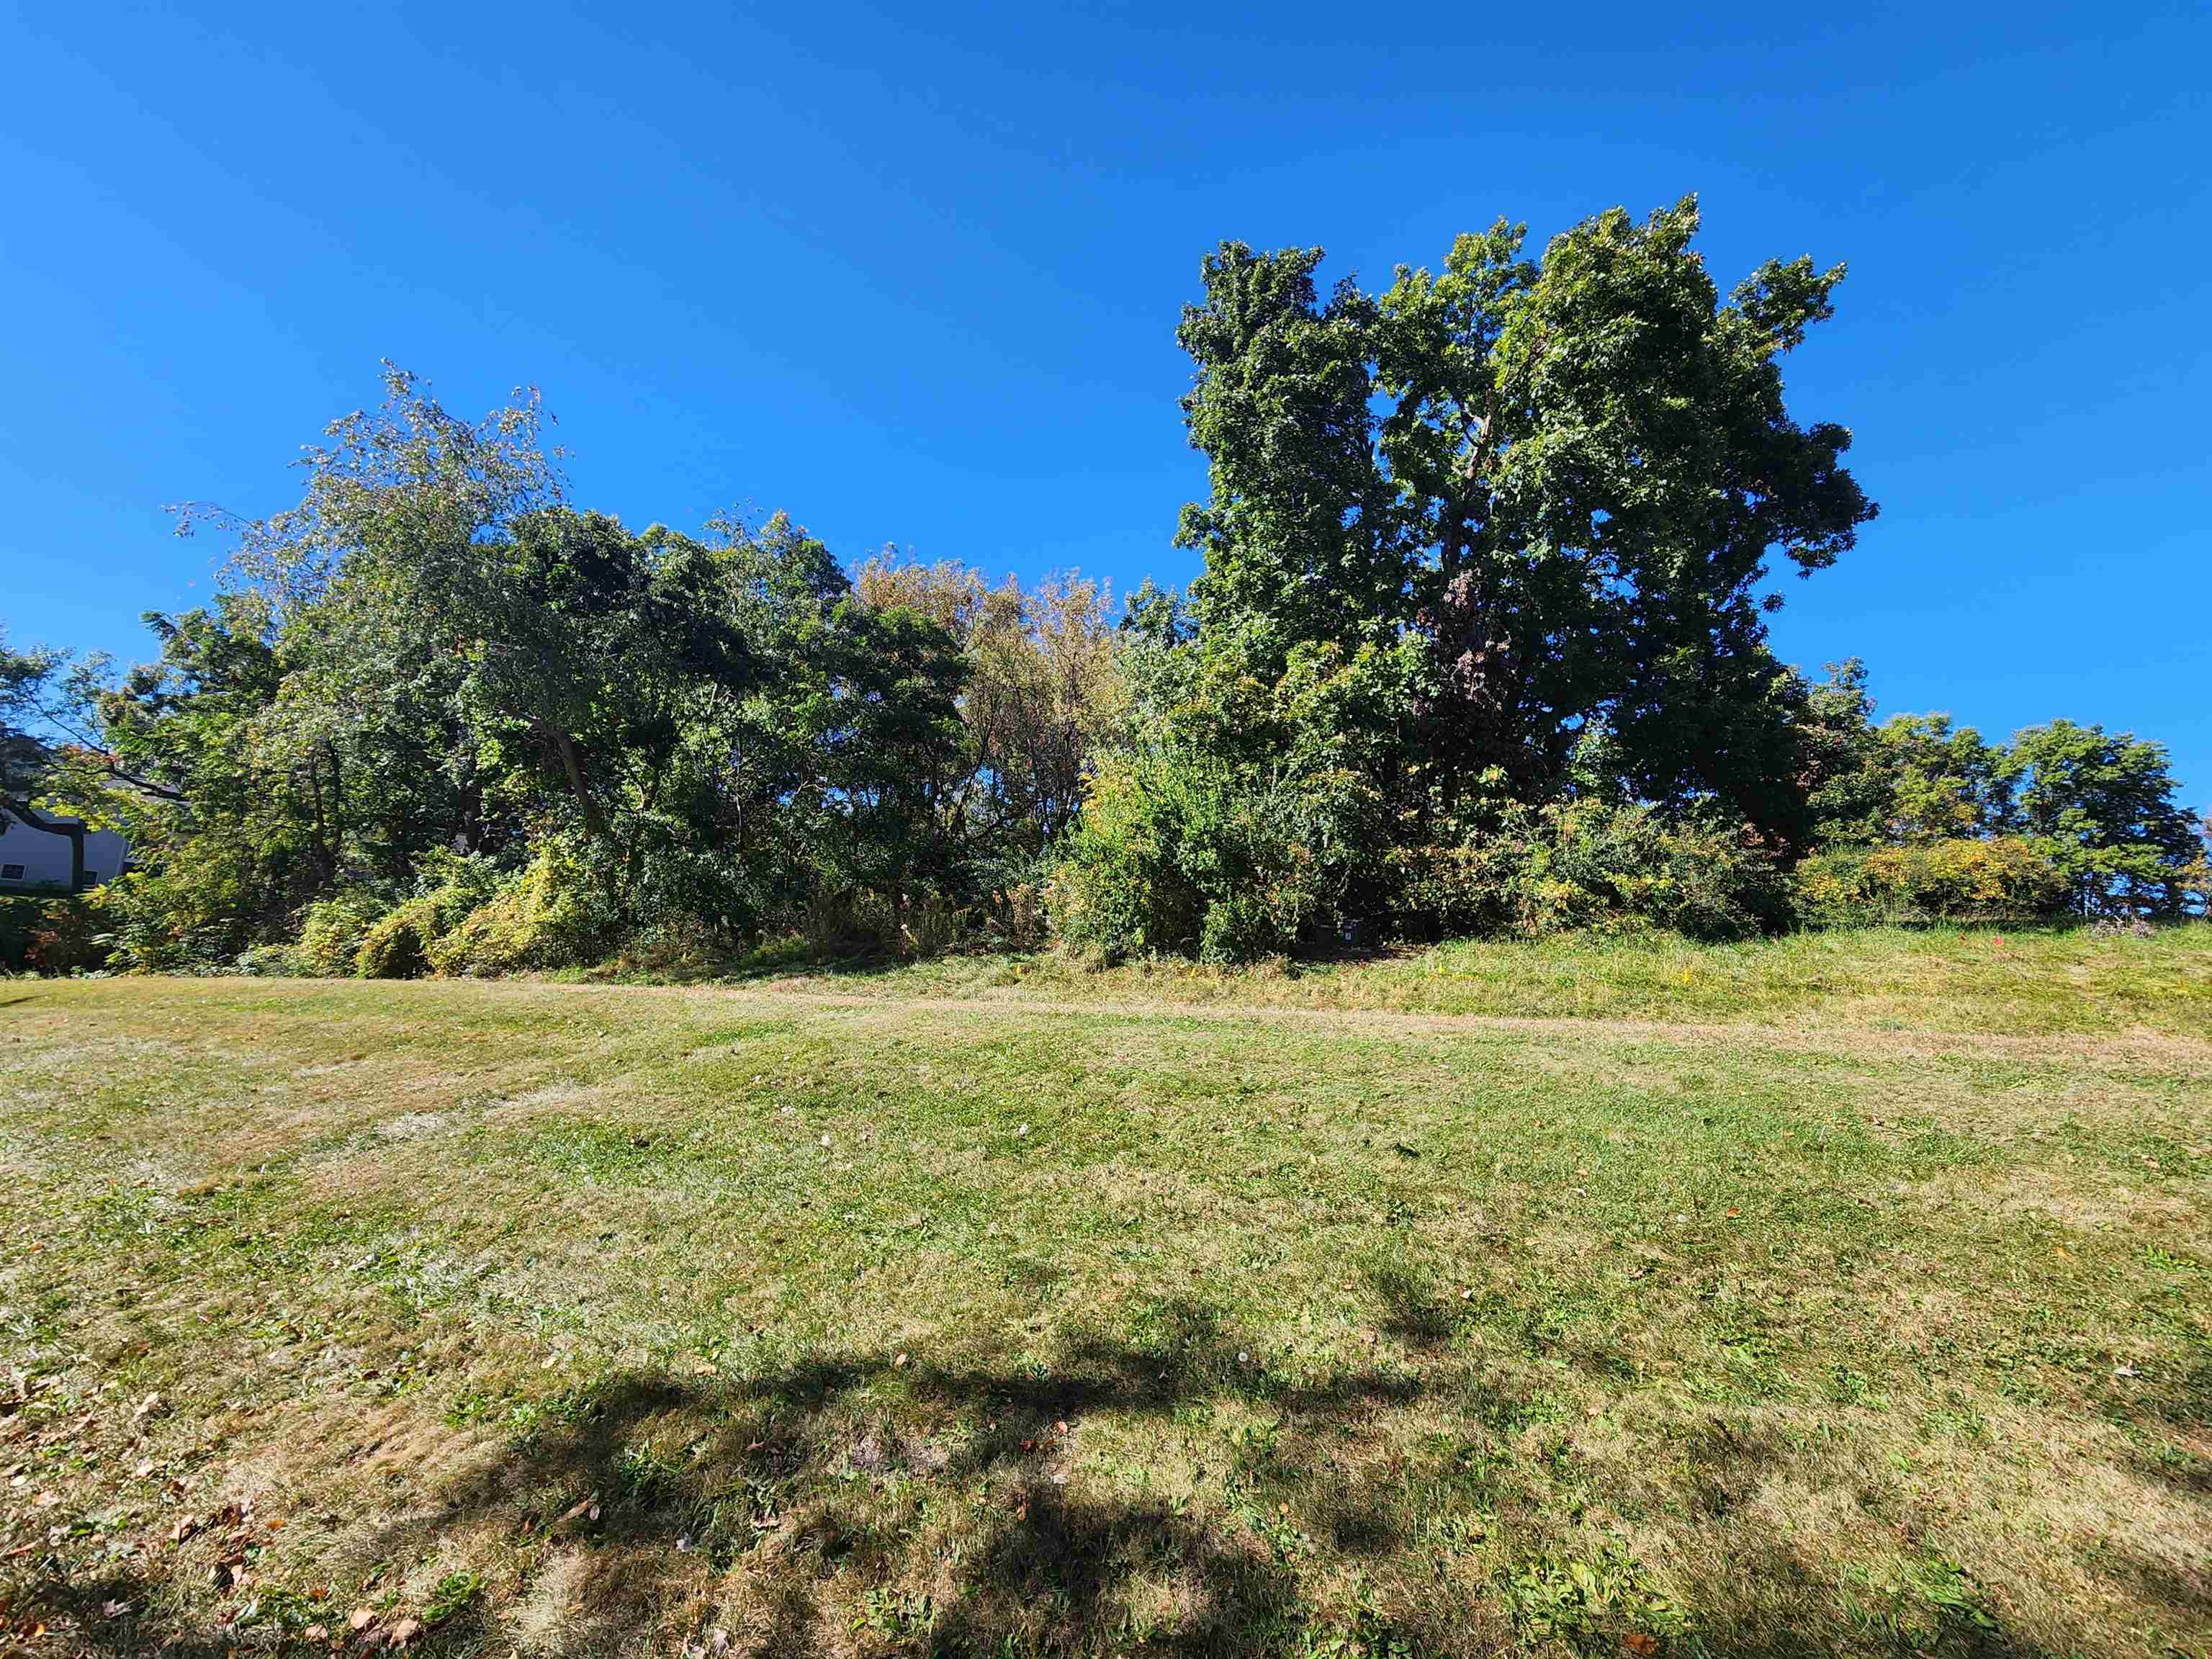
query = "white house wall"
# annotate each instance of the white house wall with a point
(45, 858)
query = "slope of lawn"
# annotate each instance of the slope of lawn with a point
(981, 1308)
(2021, 982)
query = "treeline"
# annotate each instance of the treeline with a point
(1480, 646)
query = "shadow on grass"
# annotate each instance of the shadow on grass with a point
(877, 1503)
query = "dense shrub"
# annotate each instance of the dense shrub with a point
(1245, 805)
(398, 944)
(332, 930)
(2002, 877)
(188, 915)
(1014, 889)
(51, 934)
(1188, 856)
(70, 936)
(932, 924)
(1590, 863)
(554, 914)
(17, 914)
(852, 922)
(836, 922)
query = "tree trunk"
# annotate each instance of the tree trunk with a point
(564, 749)
(337, 811)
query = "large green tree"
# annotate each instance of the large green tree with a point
(1569, 477)
(2101, 806)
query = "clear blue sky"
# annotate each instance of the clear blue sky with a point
(914, 274)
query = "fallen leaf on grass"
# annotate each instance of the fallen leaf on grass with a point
(584, 1509)
(362, 1618)
(405, 1631)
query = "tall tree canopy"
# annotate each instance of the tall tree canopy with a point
(1568, 477)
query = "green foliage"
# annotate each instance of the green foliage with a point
(1912, 778)
(332, 930)
(1941, 783)
(2101, 808)
(1238, 816)
(1363, 1631)
(1595, 865)
(2000, 878)
(556, 914)
(1479, 647)
(450, 1597)
(2194, 879)
(1563, 477)
(1922, 820)
(404, 942)
(46, 717)
(190, 913)
(50, 934)
(1041, 697)
(434, 652)
(1185, 854)
(1589, 1606)
(397, 945)
(19, 913)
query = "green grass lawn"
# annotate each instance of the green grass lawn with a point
(1835, 1295)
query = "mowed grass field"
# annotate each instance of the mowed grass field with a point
(1845, 1295)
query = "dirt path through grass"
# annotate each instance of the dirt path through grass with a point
(2129, 1048)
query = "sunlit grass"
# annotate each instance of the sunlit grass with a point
(569, 1319)
(2004, 980)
